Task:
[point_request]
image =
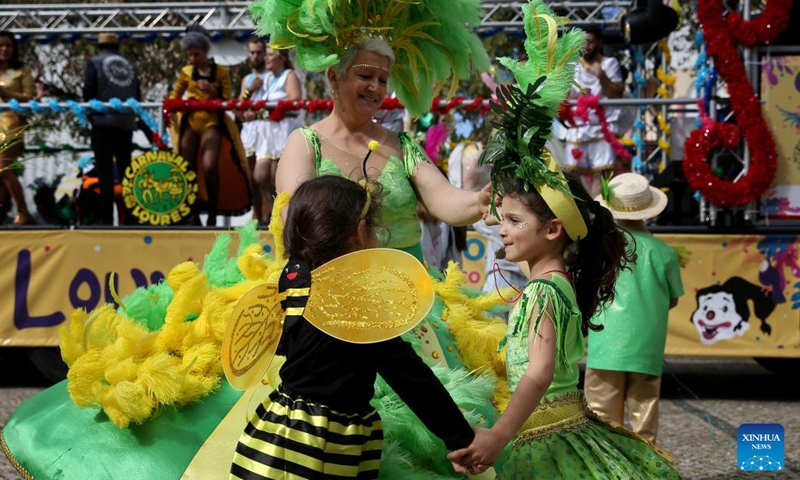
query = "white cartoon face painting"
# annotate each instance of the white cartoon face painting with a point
(723, 310)
(716, 318)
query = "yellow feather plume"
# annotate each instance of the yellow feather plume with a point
(276, 222)
(477, 335)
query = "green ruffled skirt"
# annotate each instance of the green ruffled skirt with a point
(564, 440)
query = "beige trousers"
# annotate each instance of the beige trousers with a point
(609, 392)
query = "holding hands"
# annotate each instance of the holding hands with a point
(480, 454)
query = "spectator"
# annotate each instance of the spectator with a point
(110, 75)
(16, 83)
(625, 358)
(253, 139)
(587, 151)
(275, 81)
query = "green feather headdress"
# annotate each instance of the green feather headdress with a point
(525, 114)
(432, 40)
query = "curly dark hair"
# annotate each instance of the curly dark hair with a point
(323, 218)
(593, 262)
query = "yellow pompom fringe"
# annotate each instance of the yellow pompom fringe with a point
(129, 372)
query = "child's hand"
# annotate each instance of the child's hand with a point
(458, 467)
(481, 453)
(473, 470)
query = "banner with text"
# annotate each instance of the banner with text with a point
(49, 273)
(742, 292)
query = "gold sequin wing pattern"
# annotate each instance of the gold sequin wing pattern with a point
(252, 335)
(369, 296)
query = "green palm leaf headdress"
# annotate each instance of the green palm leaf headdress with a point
(433, 40)
(525, 114)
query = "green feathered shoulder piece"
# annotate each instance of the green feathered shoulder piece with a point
(433, 40)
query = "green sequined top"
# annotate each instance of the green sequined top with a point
(399, 213)
(567, 323)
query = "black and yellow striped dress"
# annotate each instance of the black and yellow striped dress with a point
(291, 438)
(319, 423)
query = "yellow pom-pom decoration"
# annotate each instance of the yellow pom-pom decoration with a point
(373, 145)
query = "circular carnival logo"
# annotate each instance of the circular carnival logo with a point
(159, 188)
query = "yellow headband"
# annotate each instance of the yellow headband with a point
(368, 65)
(562, 204)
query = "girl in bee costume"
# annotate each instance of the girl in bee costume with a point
(319, 422)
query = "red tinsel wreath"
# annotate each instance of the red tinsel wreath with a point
(722, 35)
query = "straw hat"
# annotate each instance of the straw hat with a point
(107, 39)
(632, 198)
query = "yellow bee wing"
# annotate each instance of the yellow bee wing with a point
(369, 296)
(251, 336)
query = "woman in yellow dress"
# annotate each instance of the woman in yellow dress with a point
(208, 136)
(16, 83)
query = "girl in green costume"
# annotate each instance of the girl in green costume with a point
(552, 432)
(574, 252)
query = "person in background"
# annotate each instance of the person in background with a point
(281, 83)
(587, 151)
(16, 83)
(253, 123)
(625, 359)
(201, 136)
(110, 75)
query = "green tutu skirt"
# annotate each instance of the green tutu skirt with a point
(563, 439)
